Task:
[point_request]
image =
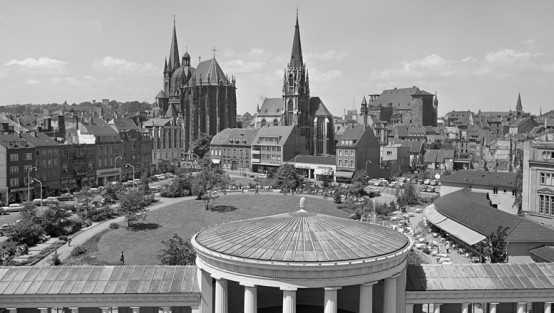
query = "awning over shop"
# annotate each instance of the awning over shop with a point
(344, 174)
(323, 171)
(461, 232)
(432, 215)
(216, 161)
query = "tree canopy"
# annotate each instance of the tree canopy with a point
(497, 246)
(287, 177)
(208, 178)
(177, 252)
(133, 205)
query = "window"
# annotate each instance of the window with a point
(26, 168)
(389, 152)
(351, 163)
(64, 168)
(14, 157)
(14, 182)
(547, 178)
(340, 162)
(28, 156)
(43, 152)
(340, 152)
(495, 191)
(14, 169)
(546, 204)
(351, 152)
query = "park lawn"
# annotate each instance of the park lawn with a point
(188, 217)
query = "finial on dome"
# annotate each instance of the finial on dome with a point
(302, 203)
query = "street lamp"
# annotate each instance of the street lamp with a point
(115, 165)
(40, 189)
(29, 183)
(368, 161)
(127, 165)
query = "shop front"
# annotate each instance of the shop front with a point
(343, 177)
(107, 175)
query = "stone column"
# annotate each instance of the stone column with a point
(389, 296)
(366, 297)
(250, 299)
(14, 310)
(521, 307)
(104, 310)
(330, 299)
(166, 309)
(206, 289)
(76, 310)
(409, 308)
(220, 295)
(547, 307)
(465, 307)
(194, 309)
(289, 301)
(492, 307)
(437, 308)
(134, 309)
(41, 310)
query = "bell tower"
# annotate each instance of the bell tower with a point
(296, 88)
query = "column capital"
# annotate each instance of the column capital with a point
(332, 288)
(289, 288)
(494, 303)
(247, 284)
(437, 304)
(548, 302)
(217, 277)
(522, 303)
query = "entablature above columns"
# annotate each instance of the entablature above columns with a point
(479, 296)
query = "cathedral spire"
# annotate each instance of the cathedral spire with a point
(174, 52)
(519, 106)
(165, 65)
(296, 55)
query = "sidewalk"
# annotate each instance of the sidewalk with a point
(87, 233)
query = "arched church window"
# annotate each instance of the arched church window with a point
(291, 81)
(264, 122)
(290, 106)
(275, 122)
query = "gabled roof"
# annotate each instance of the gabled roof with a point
(354, 132)
(98, 127)
(161, 95)
(210, 70)
(317, 108)
(124, 124)
(157, 121)
(234, 136)
(282, 132)
(484, 178)
(39, 139)
(315, 159)
(271, 107)
(399, 98)
(436, 155)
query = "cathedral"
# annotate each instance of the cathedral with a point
(203, 97)
(297, 108)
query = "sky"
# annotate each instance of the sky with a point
(475, 55)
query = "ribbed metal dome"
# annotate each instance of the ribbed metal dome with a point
(302, 237)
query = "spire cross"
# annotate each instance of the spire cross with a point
(296, 11)
(214, 50)
(173, 19)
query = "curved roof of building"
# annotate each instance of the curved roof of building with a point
(302, 237)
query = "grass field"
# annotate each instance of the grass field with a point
(187, 218)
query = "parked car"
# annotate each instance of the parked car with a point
(427, 182)
(434, 182)
(14, 207)
(66, 197)
(419, 210)
(51, 200)
(3, 229)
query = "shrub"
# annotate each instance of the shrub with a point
(55, 259)
(102, 214)
(63, 238)
(114, 225)
(78, 251)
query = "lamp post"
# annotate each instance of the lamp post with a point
(127, 165)
(29, 183)
(115, 164)
(368, 161)
(40, 189)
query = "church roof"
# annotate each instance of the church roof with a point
(234, 136)
(296, 54)
(317, 108)
(161, 95)
(399, 98)
(302, 236)
(174, 52)
(210, 70)
(271, 107)
(519, 106)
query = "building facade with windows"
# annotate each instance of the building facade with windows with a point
(47, 164)
(357, 149)
(272, 146)
(538, 178)
(16, 159)
(231, 148)
(137, 149)
(167, 142)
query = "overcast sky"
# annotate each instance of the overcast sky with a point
(474, 54)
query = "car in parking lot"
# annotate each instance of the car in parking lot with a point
(66, 197)
(14, 207)
(51, 200)
(419, 210)
(3, 229)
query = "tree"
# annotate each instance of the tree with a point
(210, 176)
(497, 246)
(359, 181)
(181, 186)
(56, 221)
(201, 146)
(85, 197)
(25, 232)
(177, 252)
(133, 205)
(111, 192)
(407, 195)
(384, 210)
(287, 177)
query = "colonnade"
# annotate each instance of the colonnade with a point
(330, 299)
(522, 307)
(194, 309)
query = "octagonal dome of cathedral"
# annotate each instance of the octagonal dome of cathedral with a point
(177, 76)
(302, 237)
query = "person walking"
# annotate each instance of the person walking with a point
(256, 189)
(122, 259)
(69, 241)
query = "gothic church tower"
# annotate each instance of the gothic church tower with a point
(296, 89)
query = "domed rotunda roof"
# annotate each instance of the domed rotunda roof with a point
(302, 237)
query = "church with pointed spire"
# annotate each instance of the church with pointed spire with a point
(204, 98)
(297, 108)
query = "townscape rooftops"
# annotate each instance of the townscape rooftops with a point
(353, 132)
(318, 108)
(282, 132)
(499, 276)
(315, 159)
(399, 98)
(157, 122)
(210, 70)
(438, 155)
(82, 280)
(125, 124)
(99, 127)
(468, 208)
(39, 139)
(234, 136)
(271, 107)
(279, 238)
(483, 178)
